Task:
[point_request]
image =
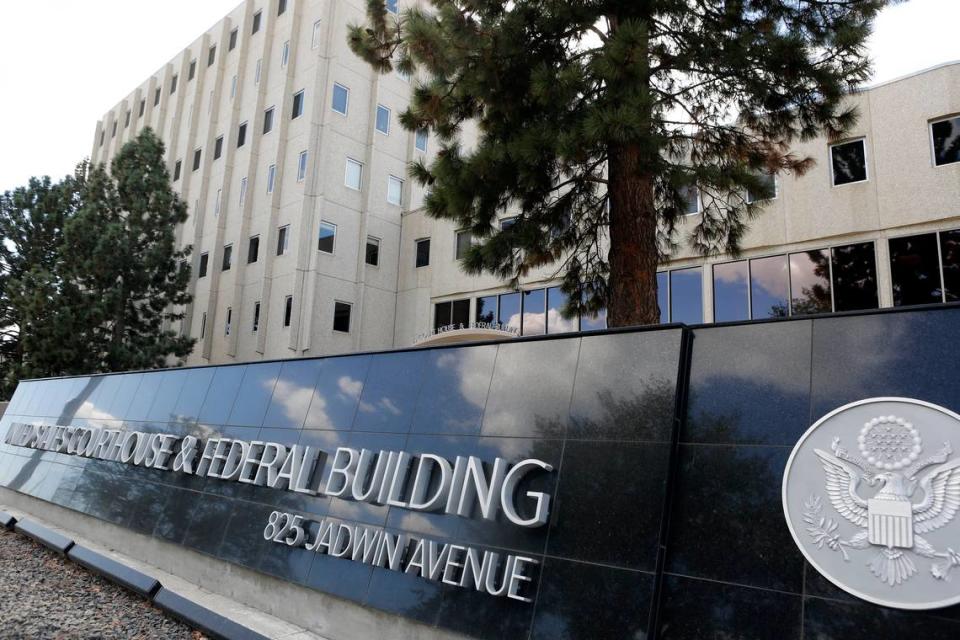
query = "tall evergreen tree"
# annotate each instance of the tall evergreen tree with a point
(595, 118)
(39, 331)
(121, 252)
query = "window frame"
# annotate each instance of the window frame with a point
(242, 134)
(234, 35)
(227, 321)
(226, 263)
(366, 253)
(285, 54)
(203, 264)
(302, 161)
(866, 161)
(197, 159)
(349, 306)
(333, 96)
(255, 325)
(271, 177)
(416, 253)
(376, 120)
(350, 161)
(391, 180)
(936, 235)
(255, 22)
(776, 191)
(253, 247)
(298, 102)
(426, 139)
(268, 117)
(456, 242)
(314, 35)
(283, 239)
(218, 148)
(326, 224)
(933, 149)
(287, 311)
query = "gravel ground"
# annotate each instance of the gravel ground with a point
(43, 595)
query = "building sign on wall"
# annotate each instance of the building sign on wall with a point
(426, 482)
(871, 494)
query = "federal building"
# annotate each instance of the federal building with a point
(310, 238)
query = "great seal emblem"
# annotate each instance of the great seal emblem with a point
(871, 493)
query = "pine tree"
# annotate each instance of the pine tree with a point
(596, 118)
(121, 253)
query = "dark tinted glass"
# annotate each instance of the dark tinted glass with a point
(176, 170)
(227, 257)
(341, 317)
(337, 395)
(297, 105)
(390, 393)
(510, 311)
(769, 287)
(423, 253)
(461, 312)
(556, 323)
(233, 39)
(328, 234)
(810, 282)
(218, 148)
(950, 253)
(442, 314)
(253, 397)
(204, 259)
(534, 312)
(765, 191)
(292, 394)
(220, 396)
(196, 159)
(686, 295)
(915, 269)
(242, 135)
(730, 298)
(253, 250)
(268, 120)
(256, 23)
(663, 296)
(854, 277)
(487, 309)
(849, 162)
(454, 390)
(946, 141)
(373, 252)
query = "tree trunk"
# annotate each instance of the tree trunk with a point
(633, 239)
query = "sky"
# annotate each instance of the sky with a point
(64, 63)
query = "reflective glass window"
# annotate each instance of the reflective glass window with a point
(383, 119)
(487, 309)
(848, 161)
(663, 296)
(691, 199)
(509, 314)
(341, 316)
(730, 291)
(915, 270)
(423, 252)
(854, 277)
(556, 323)
(686, 295)
(341, 98)
(767, 190)
(534, 312)
(950, 254)
(596, 322)
(810, 282)
(946, 141)
(464, 240)
(769, 287)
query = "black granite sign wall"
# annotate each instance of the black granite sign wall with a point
(692, 423)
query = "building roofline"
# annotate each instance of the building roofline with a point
(912, 74)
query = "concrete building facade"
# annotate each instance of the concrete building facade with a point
(310, 239)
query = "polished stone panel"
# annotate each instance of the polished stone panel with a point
(337, 394)
(454, 392)
(293, 393)
(254, 395)
(390, 393)
(829, 620)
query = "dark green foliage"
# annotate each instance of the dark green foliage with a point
(592, 118)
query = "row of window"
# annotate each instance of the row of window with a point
(340, 103)
(341, 317)
(531, 313)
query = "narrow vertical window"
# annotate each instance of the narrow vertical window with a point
(203, 324)
(156, 97)
(383, 119)
(354, 174)
(302, 166)
(227, 257)
(421, 140)
(113, 134)
(285, 54)
(212, 55)
(691, 199)
(464, 240)
(127, 122)
(297, 110)
(283, 239)
(423, 252)
(227, 322)
(176, 170)
(373, 251)
(143, 107)
(287, 310)
(315, 39)
(202, 269)
(196, 159)
(103, 134)
(218, 148)
(271, 177)
(253, 250)
(216, 204)
(281, 7)
(241, 135)
(243, 190)
(394, 190)
(233, 40)
(341, 317)
(256, 71)
(192, 71)
(256, 316)
(268, 121)
(328, 237)
(341, 98)
(233, 87)
(256, 23)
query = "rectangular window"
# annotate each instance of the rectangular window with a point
(423, 252)
(202, 270)
(285, 54)
(315, 39)
(271, 177)
(534, 316)
(848, 162)
(854, 277)
(463, 243)
(731, 294)
(233, 40)
(915, 270)
(421, 140)
(243, 190)
(216, 203)
(486, 310)
(341, 317)
(227, 321)
(392, 6)
(341, 98)
(218, 148)
(212, 55)
(253, 249)
(766, 189)
(509, 312)
(127, 122)
(176, 170)
(281, 7)
(203, 324)
(945, 135)
(950, 255)
(192, 71)
(143, 107)
(394, 190)
(287, 310)
(454, 312)
(233, 87)
(507, 223)
(354, 174)
(256, 316)
(283, 239)
(373, 251)
(196, 159)
(597, 321)
(297, 110)
(242, 135)
(256, 23)
(810, 282)
(383, 119)
(328, 236)
(102, 136)
(256, 71)
(268, 121)
(769, 287)
(556, 322)
(686, 295)
(156, 97)
(227, 257)
(302, 166)
(113, 134)
(691, 199)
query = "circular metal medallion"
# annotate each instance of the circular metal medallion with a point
(871, 493)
